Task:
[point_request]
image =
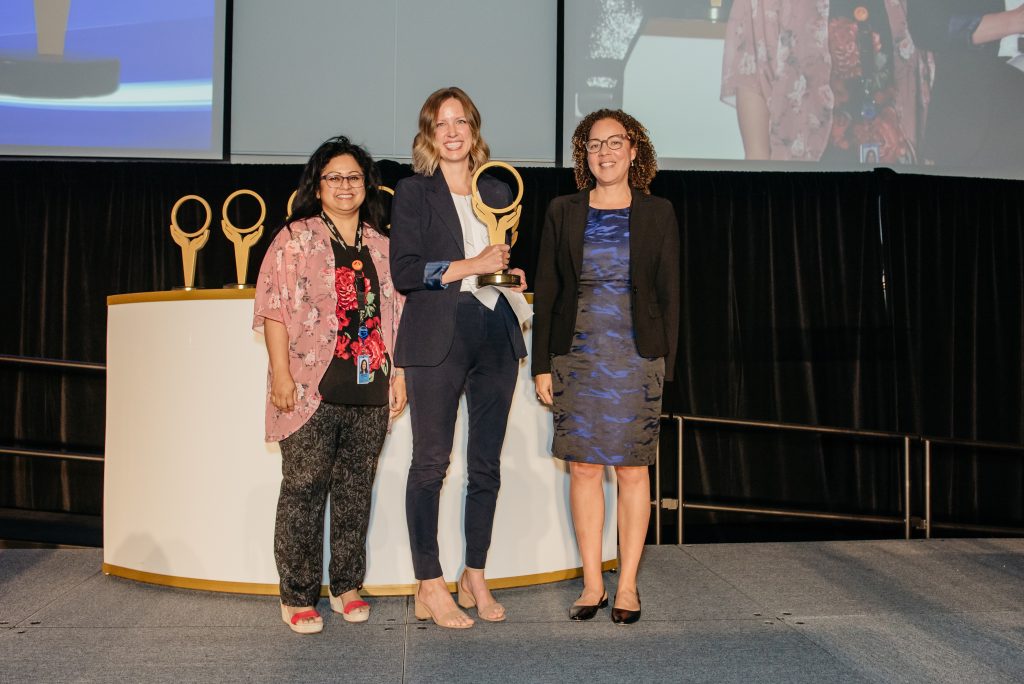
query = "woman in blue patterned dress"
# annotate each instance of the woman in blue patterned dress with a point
(606, 319)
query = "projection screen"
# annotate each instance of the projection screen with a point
(928, 85)
(112, 78)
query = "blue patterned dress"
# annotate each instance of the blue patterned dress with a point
(607, 398)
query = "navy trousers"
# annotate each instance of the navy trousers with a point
(483, 363)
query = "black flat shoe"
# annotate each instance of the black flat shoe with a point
(580, 613)
(621, 616)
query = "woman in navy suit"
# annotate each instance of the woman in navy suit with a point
(455, 337)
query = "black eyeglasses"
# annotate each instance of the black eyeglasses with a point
(614, 142)
(336, 180)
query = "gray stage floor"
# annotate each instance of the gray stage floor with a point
(889, 611)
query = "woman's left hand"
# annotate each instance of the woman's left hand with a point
(522, 279)
(542, 383)
(398, 396)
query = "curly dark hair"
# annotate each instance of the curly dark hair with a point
(307, 203)
(644, 167)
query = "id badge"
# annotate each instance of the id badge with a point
(363, 369)
(870, 153)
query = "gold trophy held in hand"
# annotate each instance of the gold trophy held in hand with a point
(500, 231)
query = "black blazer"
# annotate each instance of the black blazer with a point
(425, 229)
(653, 271)
(973, 85)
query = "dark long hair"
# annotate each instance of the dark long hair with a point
(307, 203)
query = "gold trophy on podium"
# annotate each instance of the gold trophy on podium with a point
(501, 230)
(190, 243)
(242, 238)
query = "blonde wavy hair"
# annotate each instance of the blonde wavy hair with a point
(644, 167)
(426, 154)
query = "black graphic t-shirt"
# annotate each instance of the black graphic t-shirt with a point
(359, 350)
(866, 126)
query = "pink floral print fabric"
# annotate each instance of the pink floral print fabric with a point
(296, 288)
(780, 49)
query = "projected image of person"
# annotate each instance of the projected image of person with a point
(825, 81)
(330, 314)
(605, 332)
(975, 116)
(456, 337)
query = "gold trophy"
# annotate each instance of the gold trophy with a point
(384, 188)
(499, 230)
(190, 243)
(243, 238)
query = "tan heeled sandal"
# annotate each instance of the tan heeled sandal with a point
(493, 613)
(447, 620)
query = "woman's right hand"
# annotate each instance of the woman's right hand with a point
(283, 393)
(492, 259)
(999, 25)
(542, 383)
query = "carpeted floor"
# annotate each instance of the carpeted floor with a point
(877, 611)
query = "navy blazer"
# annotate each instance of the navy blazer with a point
(653, 273)
(972, 83)
(425, 233)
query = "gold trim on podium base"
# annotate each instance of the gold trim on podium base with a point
(369, 590)
(181, 295)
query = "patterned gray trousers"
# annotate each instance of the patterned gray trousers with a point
(335, 452)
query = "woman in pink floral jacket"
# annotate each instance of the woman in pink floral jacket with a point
(831, 80)
(329, 310)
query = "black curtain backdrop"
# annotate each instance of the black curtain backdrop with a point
(785, 321)
(874, 300)
(957, 254)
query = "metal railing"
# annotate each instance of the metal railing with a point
(40, 362)
(47, 453)
(679, 504)
(987, 446)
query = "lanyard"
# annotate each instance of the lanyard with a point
(337, 235)
(359, 282)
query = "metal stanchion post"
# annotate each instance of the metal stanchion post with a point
(906, 487)
(679, 478)
(927, 489)
(657, 491)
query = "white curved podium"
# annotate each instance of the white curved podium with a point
(190, 488)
